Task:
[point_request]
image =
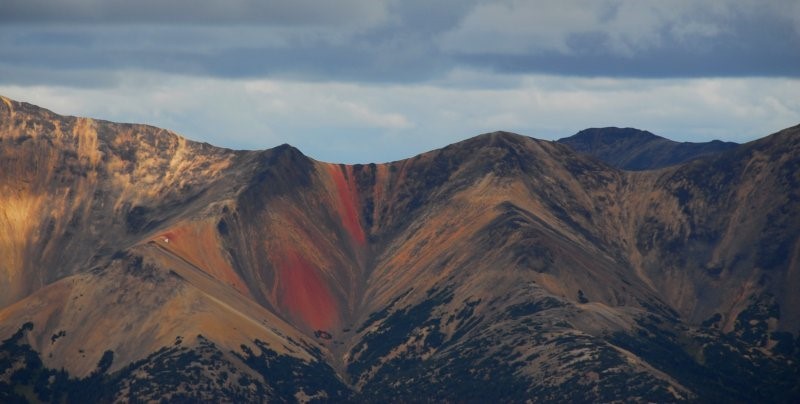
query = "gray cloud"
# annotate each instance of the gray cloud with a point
(220, 52)
(385, 79)
(632, 38)
(295, 12)
(401, 41)
(628, 26)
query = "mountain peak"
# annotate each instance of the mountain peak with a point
(634, 149)
(504, 136)
(509, 142)
(609, 135)
(286, 149)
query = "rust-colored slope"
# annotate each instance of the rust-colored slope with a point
(295, 237)
(198, 242)
(348, 200)
(303, 294)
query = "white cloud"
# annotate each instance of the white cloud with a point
(345, 122)
(332, 104)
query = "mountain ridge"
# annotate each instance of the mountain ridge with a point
(634, 149)
(499, 258)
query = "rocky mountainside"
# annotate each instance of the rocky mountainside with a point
(137, 264)
(633, 149)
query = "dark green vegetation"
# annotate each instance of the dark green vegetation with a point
(479, 365)
(721, 367)
(472, 366)
(23, 377)
(286, 376)
(172, 374)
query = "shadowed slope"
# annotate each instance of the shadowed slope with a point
(633, 149)
(722, 232)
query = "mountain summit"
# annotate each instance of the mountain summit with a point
(139, 265)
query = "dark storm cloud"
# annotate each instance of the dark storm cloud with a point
(727, 59)
(191, 11)
(398, 41)
(216, 52)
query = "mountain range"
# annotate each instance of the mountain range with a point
(138, 265)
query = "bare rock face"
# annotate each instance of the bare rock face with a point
(149, 267)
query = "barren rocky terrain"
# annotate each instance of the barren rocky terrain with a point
(137, 264)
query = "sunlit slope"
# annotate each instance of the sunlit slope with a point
(76, 190)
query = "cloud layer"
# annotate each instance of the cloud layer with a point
(360, 123)
(295, 12)
(390, 78)
(397, 41)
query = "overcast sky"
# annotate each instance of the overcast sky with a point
(379, 80)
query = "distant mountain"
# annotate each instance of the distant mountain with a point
(633, 149)
(140, 266)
